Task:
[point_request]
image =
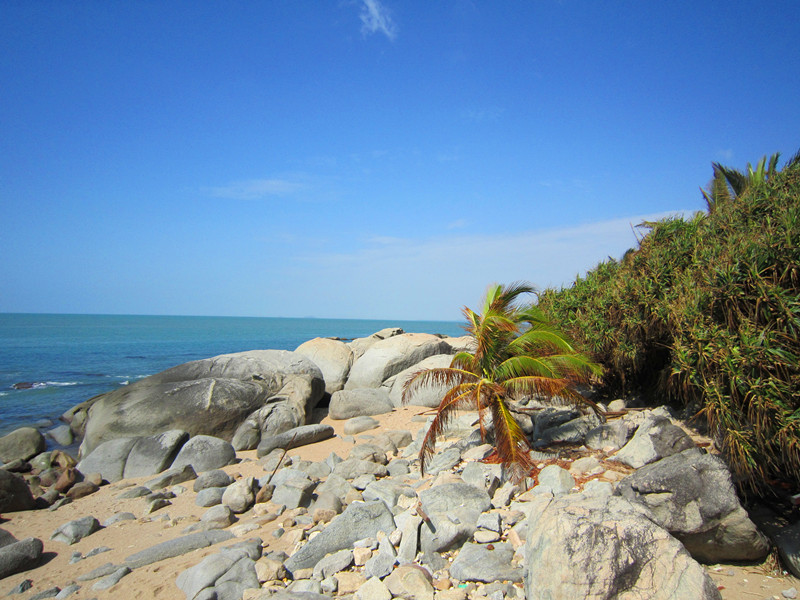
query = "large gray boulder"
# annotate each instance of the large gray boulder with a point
(274, 418)
(360, 345)
(391, 356)
(430, 395)
(347, 404)
(14, 493)
(597, 548)
(452, 511)
(23, 443)
(209, 396)
(151, 455)
(360, 520)
(333, 357)
(691, 495)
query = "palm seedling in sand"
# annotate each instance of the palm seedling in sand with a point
(516, 354)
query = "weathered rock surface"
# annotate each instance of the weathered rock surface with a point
(453, 510)
(655, 438)
(391, 356)
(209, 396)
(479, 562)
(23, 443)
(76, 530)
(176, 547)
(600, 548)
(350, 403)
(153, 454)
(692, 496)
(430, 395)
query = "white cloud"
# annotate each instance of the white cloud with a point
(375, 18)
(255, 189)
(432, 278)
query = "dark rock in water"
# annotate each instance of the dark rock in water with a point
(209, 396)
(24, 443)
(20, 556)
(23, 385)
(14, 493)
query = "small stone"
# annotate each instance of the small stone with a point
(348, 582)
(24, 586)
(790, 593)
(361, 556)
(48, 593)
(373, 589)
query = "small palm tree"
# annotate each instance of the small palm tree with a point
(516, 354)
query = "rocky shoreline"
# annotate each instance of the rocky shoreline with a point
(629, 505)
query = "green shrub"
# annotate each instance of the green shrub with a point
(708, 309)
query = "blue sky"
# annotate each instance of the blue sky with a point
(364, 158)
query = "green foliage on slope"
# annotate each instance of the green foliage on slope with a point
(707, 309)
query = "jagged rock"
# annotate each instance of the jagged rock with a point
(349, 403)
(294, 438)
(14, 493)
(76, 530)
(204, 453)
(23, 444)
(655, 438)
(373, 589)
(599, 548)
(358, 521)
(692, 496)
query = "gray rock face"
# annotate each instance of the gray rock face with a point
(599, 548)
(76, 530)
(209, 496)
(209, 396)
(294, 438)
(350, 403)
(274, 418)
(573, 431)
(217, 517)
(293, 492)
(478, 562)
(14, 493)
(358, 521)
(61, 435)
(360, 345)
(108, 459)
(613, 434)
(172, 476)
(204, 453)
(20, 556)
(391, 356)
(240, 496)
(353, 467)
(224, 575)
(176, 547)
(429, 396)
(655, 438)
(214, 478)
(692, 496)
(23, 443)
(333, 357)
(152, 454)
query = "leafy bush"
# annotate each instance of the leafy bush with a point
(707, 309)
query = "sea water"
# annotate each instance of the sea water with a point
(58, 361)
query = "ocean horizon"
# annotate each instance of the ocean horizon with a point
(60, 360)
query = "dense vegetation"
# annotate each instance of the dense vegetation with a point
(706, 311)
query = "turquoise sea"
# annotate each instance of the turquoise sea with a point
(61, 360)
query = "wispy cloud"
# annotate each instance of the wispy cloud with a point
(726, 154)
(457, 224)
(375, 18)
(255, 189)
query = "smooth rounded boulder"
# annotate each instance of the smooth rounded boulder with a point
(347, 404)
(205, 453)
(390, 356)
(333, 357)
(210, 396)
(23, 444)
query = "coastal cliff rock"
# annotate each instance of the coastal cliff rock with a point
(210, 396)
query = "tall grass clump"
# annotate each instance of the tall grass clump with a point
(707, 310)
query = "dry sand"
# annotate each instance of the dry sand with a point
(158, 580)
